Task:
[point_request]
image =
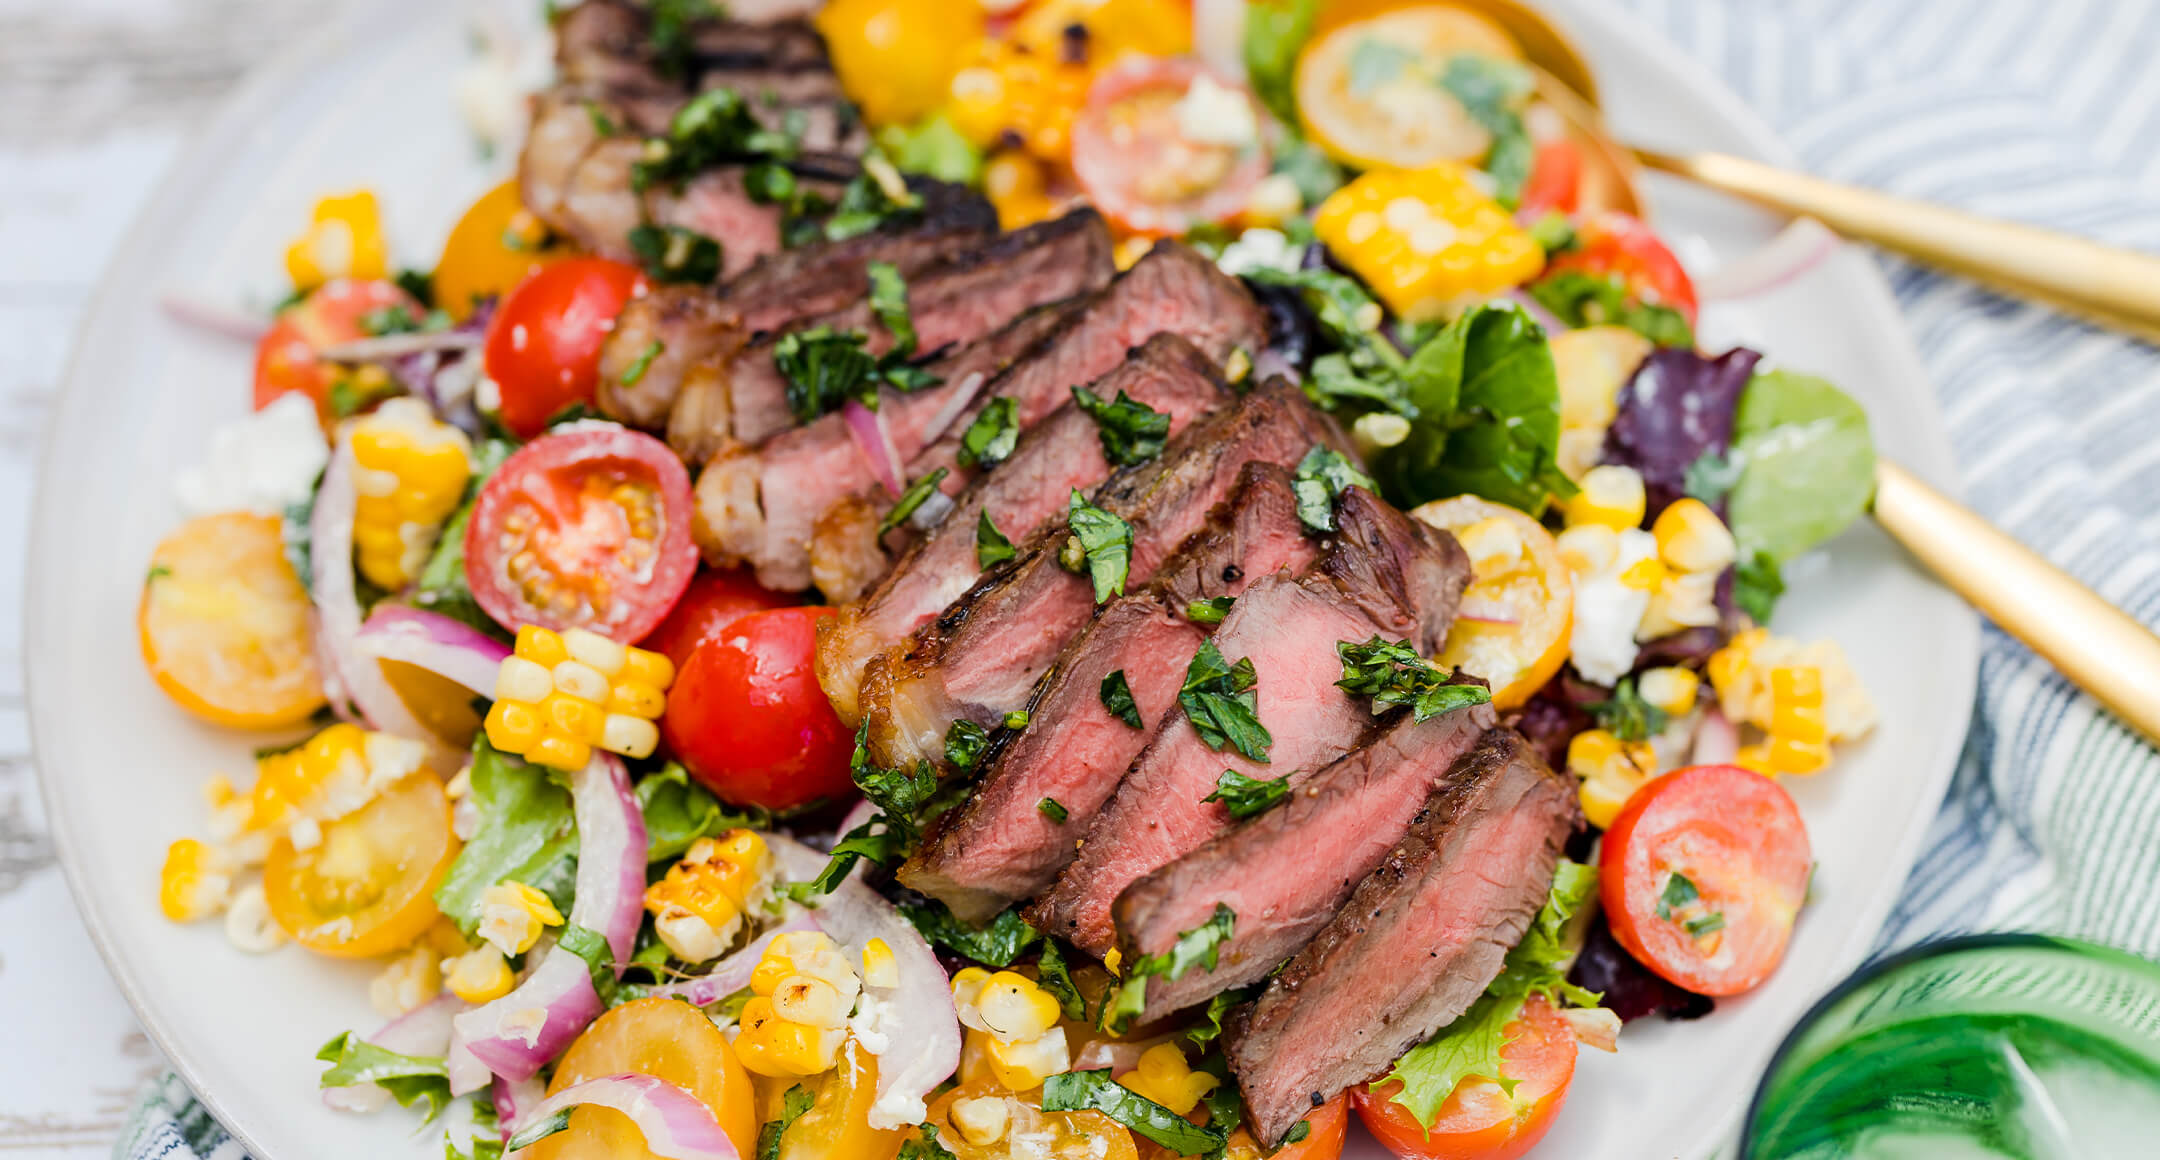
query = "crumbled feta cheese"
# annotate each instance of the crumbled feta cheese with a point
(1212, 113)
(868, 1023)
(1607, 612)
(248, 923)
(1260, 249)
(263, 463)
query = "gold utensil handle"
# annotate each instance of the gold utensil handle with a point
(2113, 287)
(2095, 644)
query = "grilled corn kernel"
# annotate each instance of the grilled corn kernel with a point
(344, 239)
(560, 695)
(410, 979)
(1691, 537)
(1611, 496)
(1024, 1065)
(1645, 575)
(814, 1002)
(808, 953)
(1427, 241)
(1588, 549)
(1273, 201)
(981, 1120)
(1163, 1076)
(698, 906)
(1004, 89)
(1799, 735)
(772, 1046)
(879, 968)
(1611, 770)
(480, 976)
(1671, 690)
(1013, 1007)
(196, 881)
(411, 470)
(512, 915)
(1679, 601)
(1743, 674)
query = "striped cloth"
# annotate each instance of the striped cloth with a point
(2045, 111)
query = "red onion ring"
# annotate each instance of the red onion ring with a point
(213, 319)
(390, 346)
(1797, 249)
(448, 648)
(732, 973)
(876, 444)
(337, 607)
(1486, 611)
(946, 415)
(1537, 312)
(1717, 741)
(424, 1031)
(513, 1098)
(674, 1123)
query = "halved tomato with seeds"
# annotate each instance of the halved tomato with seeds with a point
(588, 527)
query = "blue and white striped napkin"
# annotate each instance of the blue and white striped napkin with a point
(2044, 111)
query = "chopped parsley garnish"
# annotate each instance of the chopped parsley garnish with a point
(637, 369)
(1132, 431)
(1297, 1133)
(1209, 1027)
(1199, 947)
(994, 944)
(670, 34)
(889, 301)
(1079, 1091)
(1679, 893)
(1626, 715)
(1017, 719)
(715, 126)
(1492, 90)
(991, 546)
(926, 1148)
(602, 124)
(676, 254)
(1580, 298)
(1052, 809)
(1247, 797)
(964, 744)
(1101, 543)
(1703, 924)
(1209, 611)
(914, 497)
(898, 792)
(1057, 979)
(793, 1105)
(1118, 699)
(1394, 674)
(825, 368)
(1220, 700)
(1757, 585)
(993, 434)
(1322, 477)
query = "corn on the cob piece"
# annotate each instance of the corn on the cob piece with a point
(698, 907)
(559, 695)
(412, 470)
(1427, 241)
(344, 239)
(1163, 1076)
(803, 990)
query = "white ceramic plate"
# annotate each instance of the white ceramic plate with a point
(371, 104)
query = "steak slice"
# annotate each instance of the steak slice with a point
(953, 302)
(980, 659)
(999, 846)
(824, 276)
(1419, 940)
(1355, 809)
(1382, 572)
(1056, 457)
(1171, 290)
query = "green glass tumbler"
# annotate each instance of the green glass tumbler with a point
(2016, 1046)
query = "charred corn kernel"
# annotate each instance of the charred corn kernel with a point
(698, 906)
(1644, 575)
(1163, 1076)
(1003, 91)
(344, 239)
(1427, 241)
(1113, 28)
(1611, 770)
(512, 915)
(196, 881)
(1671, 690)
(1024, 1065)
(1744, 675)
(1273, 201)
(808, 953)
(772, 1046)
(1680, 600)
(879, 968)
(981, 1120)
(814, 1002)
(560, 695)
(1013, 1007)
(480, 976)
(326, 777)
(1611, 496)
(1588, 549)
(1691, 537)
(410, 979)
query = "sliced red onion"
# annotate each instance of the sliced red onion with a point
(1271, 363)
(467, 1073)
(875, 442)
(213, 319)
(514, 1098)
(1717, 741)
(422, 1031)
(514, 1035)
(1537, 312)
(674, 1123)
(732, 974)
(390, 346)
(337, 607)
(1485, 610)
(954, 407)
(1796, 249)
(448, 648)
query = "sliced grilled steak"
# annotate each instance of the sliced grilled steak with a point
(1030, 490)
(1172, 289)
(1000, 846)
(980, 659)
(1381, 573)
(956, 301)
(1419, 940)
(1355, 809)
(825, 276)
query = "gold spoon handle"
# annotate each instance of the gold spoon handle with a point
(2095, 644)
(2113, 287)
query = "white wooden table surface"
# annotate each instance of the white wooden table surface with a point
(96, 97)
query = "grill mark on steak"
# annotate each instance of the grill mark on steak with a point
(1418, 941)
(1384, 573)
(998, 847)
(1027, 492)
(1355, 809)
(980, 659)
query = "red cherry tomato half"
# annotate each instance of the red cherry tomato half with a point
(1614, 243)
(1143, 173)
(747, 719)
(1703, 874)
(1481, 1120)
(1555, 181)
(543, 345)
(285, 359)
(583, 529)
(715, 599)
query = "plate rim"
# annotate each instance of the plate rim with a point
(229, 128)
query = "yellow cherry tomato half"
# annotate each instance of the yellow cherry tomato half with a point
(368, 886)
(224, 624)
(664, 1038)
(897, 58)
(1514, 623)
(1369, 91)
(837, 1126)
(495, 246)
